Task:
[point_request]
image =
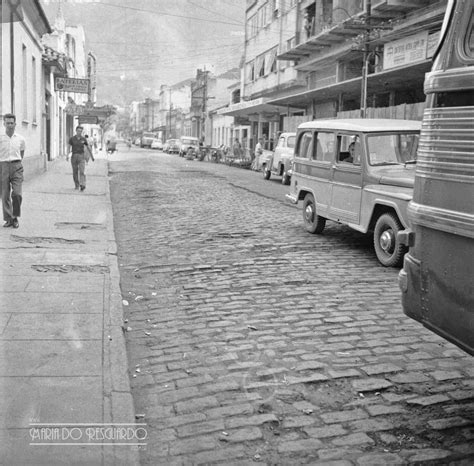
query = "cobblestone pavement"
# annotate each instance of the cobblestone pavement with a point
(251, 341)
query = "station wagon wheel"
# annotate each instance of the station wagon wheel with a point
(285, 178)
(388, 249)
(266, 173)
(313, 222)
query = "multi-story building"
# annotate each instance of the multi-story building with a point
(22, 86)
(270, 27)
(362, 58)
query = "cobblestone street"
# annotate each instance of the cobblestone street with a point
(251, 341)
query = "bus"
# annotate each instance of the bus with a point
(437, 279)
(146, 139)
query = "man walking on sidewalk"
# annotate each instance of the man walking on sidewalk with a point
(78, 158)
(12, 150)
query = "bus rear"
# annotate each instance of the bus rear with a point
(437, 280)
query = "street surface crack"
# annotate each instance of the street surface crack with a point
(45, 239)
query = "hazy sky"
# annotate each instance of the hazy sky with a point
(157, 41)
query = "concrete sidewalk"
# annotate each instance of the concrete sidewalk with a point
(62, 349)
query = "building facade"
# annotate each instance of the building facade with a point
(270, 27)
(22, 86)
(363, 58)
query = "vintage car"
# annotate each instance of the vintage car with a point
(358, 172)
(157, 144)
(188, 145)
(279, 163)
(171, 146)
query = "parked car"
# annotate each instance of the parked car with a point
(358, 172)
(171, 146)
(188, 144)
(279, 163)
(157, 144)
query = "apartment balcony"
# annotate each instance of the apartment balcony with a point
(330, 35)
(383, 12)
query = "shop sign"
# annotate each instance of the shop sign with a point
(80, 86)
(405, 51)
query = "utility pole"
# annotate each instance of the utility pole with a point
(170, 108)
(204, 104)
(365, 59)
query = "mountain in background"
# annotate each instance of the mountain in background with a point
(141, 45)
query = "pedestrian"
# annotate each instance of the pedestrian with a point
(88, 151)
(78, 158)
(257, 154)
(12, 150)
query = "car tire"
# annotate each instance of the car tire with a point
(387, 246)
(285, 179)
(266, 173)
(313, 222)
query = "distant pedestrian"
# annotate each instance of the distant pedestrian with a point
(12, 150)
(78, 158)
(88, 152)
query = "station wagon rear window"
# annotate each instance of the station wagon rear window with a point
(392, 149)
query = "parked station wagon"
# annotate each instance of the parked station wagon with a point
(358, 172)
(279, 163)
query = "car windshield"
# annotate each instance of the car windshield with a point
(189, 141)
(291, 141)
(392, 149)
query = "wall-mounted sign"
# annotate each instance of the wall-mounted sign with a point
(81, 86)
(404, 51)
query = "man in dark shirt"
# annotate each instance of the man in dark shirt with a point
(78, 158)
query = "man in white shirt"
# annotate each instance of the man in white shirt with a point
(12, 150)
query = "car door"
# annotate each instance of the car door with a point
(347, 179)
(313, 155)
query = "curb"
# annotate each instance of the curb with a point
(119, 407)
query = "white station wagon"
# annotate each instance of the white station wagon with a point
(359, 172)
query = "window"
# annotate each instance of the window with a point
(349, 149)
(392, 149)
(24, 77)
(251, 71)
(34, 96)
(252, 26)
(305, 145)
(270, 62)
(324, 147)
(260, 66)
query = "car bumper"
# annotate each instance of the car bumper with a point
(291, 198)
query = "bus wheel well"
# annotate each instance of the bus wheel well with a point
(380, 209)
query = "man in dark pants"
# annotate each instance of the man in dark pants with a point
(78, 158)
(12, 150)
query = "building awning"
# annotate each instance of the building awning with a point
(251, 107)
(385, 81)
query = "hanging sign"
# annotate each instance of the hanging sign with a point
(91, 120)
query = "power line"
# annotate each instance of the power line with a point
(165, 14)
